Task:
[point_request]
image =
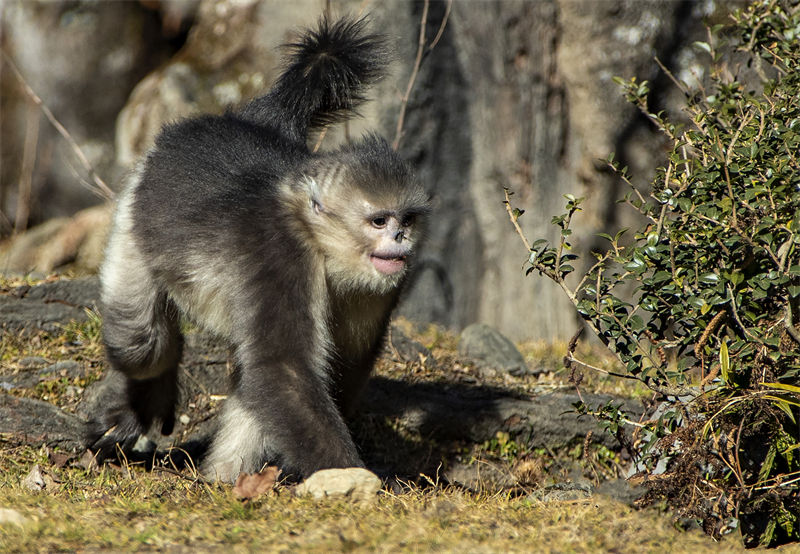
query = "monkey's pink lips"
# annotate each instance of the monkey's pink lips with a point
(388, 265)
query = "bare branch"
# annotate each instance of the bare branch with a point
(513, 218)
(440, 32)
(26, 171)
(417, 62)
(102, 188)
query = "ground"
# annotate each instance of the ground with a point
(466, 457)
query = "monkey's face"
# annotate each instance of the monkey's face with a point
(364, 212)
(367, 234)
(367, 244)
(391, 235)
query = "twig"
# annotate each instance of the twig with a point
(102, 188)
(26, 171)
(672, 78)
(320, 139)
(735, 314)
(193, 478)
(574, 378)
(679, 390)
(440, 32)
(573, 360)
(737, 445)
(788, 323)
(514, 218)
(417, 62)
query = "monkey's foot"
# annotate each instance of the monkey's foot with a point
(225, 472)
(114, 436)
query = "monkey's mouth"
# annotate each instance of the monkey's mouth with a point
(388, 265)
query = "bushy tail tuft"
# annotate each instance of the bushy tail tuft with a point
(327, 73)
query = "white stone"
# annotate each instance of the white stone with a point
(356, 483)
(7, 515)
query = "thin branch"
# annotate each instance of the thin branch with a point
(597, 266)
(788, 322)
(440, 32)
(26, 171)
(573, 360)
(672, 78)
(417, 62)
(320, 139)
(102, 189)
(514, 218)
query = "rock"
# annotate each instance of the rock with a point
(355, 483)
(78, 241)
(29, 379)
(48, 305)
(408, 349)
(37, 480)
(561, 492)
(82, 58)
(36, 422)
(479, 476)
(621, 490)
(68, 367)
(221, 65)
(489, 348)
(13, 517)
(84, 292)
(32, 362)
(22, 380)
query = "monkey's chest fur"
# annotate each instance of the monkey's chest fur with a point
(357, 326)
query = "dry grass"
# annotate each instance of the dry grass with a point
(124, 509)
(132, 510)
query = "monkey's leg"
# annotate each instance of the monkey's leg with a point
(279, 413)
(143, 346)
(349, 383)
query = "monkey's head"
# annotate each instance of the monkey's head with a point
(366, 213)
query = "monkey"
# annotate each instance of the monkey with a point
(295, 258)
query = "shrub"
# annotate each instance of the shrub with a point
(712, 324)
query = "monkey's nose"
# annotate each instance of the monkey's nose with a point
(399, 236)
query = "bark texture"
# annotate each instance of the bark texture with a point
(515, 94)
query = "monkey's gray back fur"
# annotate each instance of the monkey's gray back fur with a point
(294, 257)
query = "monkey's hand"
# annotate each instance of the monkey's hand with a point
(125, 411)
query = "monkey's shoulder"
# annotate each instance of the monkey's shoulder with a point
(220, 144)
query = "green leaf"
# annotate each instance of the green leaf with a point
(769, 461)
(783, 386)
(700, 45)
(724, 362)
(636, 323)
(709, 278)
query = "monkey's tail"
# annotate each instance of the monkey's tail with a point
(325, 77)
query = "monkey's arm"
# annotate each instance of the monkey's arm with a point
(281, 409)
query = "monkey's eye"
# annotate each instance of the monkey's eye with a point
(408, 220)
(379, 222)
